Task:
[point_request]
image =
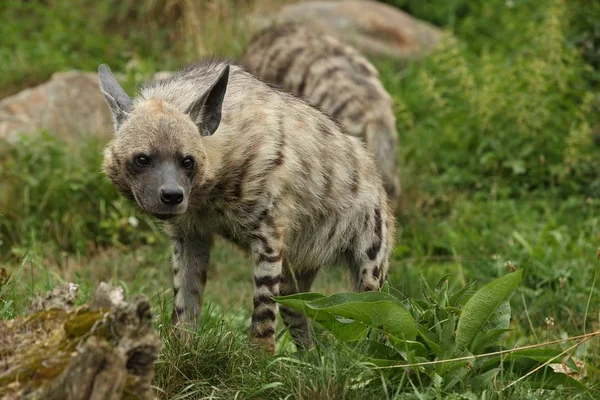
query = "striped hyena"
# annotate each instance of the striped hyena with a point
(335, 78)
(214, 151)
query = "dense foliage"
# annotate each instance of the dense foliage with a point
(440, 340)
(52, 196)
(507, 107)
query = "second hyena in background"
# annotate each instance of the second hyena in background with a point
(335, 78)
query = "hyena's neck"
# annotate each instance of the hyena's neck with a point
(213, 153)
(216, 174)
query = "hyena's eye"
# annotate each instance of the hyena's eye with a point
(142, 160)
(187, 163)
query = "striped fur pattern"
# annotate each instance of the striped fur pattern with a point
(278, 178)
(336, 78)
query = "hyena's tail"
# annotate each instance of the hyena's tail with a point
(382, 141)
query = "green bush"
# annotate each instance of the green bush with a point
(441, 341)
(585, 34)
(52, 194)
(516, 114)
(63, 35)
(494, 24)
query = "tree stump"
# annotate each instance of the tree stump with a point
(103, 350)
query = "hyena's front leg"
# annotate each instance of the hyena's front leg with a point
(267, 252)
(191, 254)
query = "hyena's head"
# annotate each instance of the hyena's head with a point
(157, 155)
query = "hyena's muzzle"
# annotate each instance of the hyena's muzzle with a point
(162, 189)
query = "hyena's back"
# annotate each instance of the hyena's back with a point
(337, 79)
(326, 185)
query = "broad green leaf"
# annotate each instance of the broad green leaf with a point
(480, 307)
(455, 299)
(571, 364)
(348, 315)
(500, 318)
(430, 339)
(540, 355)
(455, 372)
(345, 298)
(374, 309)
(298, 301)
(447, 342)
(485, 380)
(343, 329)
(523, 360)
(375, 352)
(406, 346)
(494, 329)
(485, 339)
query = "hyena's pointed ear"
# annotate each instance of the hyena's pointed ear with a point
(119, 102)
(206, 111)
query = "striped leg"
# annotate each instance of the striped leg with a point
(372, 276)
(267, 254)
(298, 324)
(371, 258)
(191, 255)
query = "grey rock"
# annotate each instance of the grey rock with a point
(68, 106)
(374, 28)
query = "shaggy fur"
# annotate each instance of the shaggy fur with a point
(277, 177)
(336, 78)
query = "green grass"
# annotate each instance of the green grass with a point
(498, 160)
(553, 239)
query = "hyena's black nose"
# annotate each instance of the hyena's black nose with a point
(171, 196)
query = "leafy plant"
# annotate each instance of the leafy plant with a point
(442, 340)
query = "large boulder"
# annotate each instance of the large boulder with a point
(69, 106)
(372, 27)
